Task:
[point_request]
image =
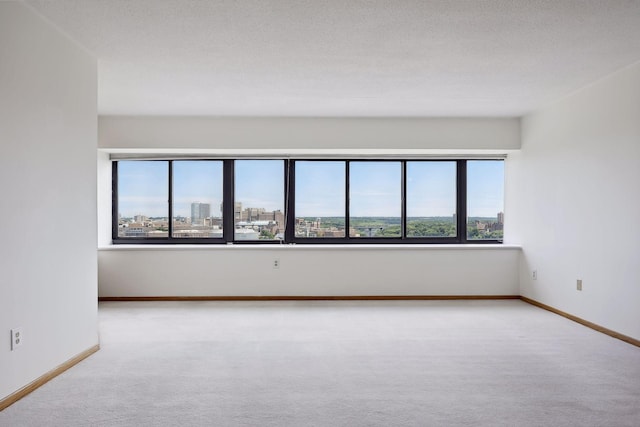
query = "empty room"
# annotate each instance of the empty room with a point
(312, 213)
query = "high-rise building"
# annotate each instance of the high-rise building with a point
(200, 211)
(252, 214)
(140, 218)
(500, 217)
(237, 210)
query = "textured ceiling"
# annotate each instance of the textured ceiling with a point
(346, 57)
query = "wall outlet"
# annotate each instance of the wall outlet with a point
(16, 338)
(534, 274)
(579, 284)
(276, 263)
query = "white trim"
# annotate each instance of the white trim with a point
(168, 154)
(276, 247)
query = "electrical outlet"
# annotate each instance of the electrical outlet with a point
(534, 274)
(16, 338)
(579, 284)
(276, 263)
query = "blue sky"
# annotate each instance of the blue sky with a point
(485, 187)
(431, 188)
(259, 184)
(196, 181)
(320, 187)
(375, 189)
(142, 188)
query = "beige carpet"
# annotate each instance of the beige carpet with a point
(396, 363)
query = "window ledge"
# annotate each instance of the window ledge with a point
(309, 247)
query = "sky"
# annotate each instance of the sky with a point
(196, 181)
(485, 187)
(259, 184)
(375, 187)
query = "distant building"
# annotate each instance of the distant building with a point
(246, 234)
(139, 230)
(500, 217)
(140, 218)
(197, 232)
(274, 216)
(200, 211)
(251, 214)
(237, 210)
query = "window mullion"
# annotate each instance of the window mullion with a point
(347, 214)
(228, 202)
(114, 201)
(403, 212)
(170, 201)
(290, 201)
(461, 208)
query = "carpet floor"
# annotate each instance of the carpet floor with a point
(341, 363)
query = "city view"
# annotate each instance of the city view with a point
(375, 198)
(260, 224)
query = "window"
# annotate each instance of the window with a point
(308, 201)
(375, 199)
(485, 199)
(259, 200)
(197, 199)
(431, 199)
(320, 199)
(142, 200)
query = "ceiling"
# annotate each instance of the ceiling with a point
(349, 58)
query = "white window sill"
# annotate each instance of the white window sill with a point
(305, 247)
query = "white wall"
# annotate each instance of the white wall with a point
(189, 133)
(317, 270)
(48, 130)
(576, 205)
(309, 270)
(104, 199)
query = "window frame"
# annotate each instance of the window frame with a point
(229, 194)
(289, 183)
(169, 239)
(466, 237)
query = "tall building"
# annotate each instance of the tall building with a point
(237, 211)
(252, 214)
(200, 211)
(140, 218)
(500, 217)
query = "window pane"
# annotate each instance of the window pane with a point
(485, 199)
(431, 199)
(143, 207)
(375, 199)
(320, 199)
(197, 199)
(259, 200)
